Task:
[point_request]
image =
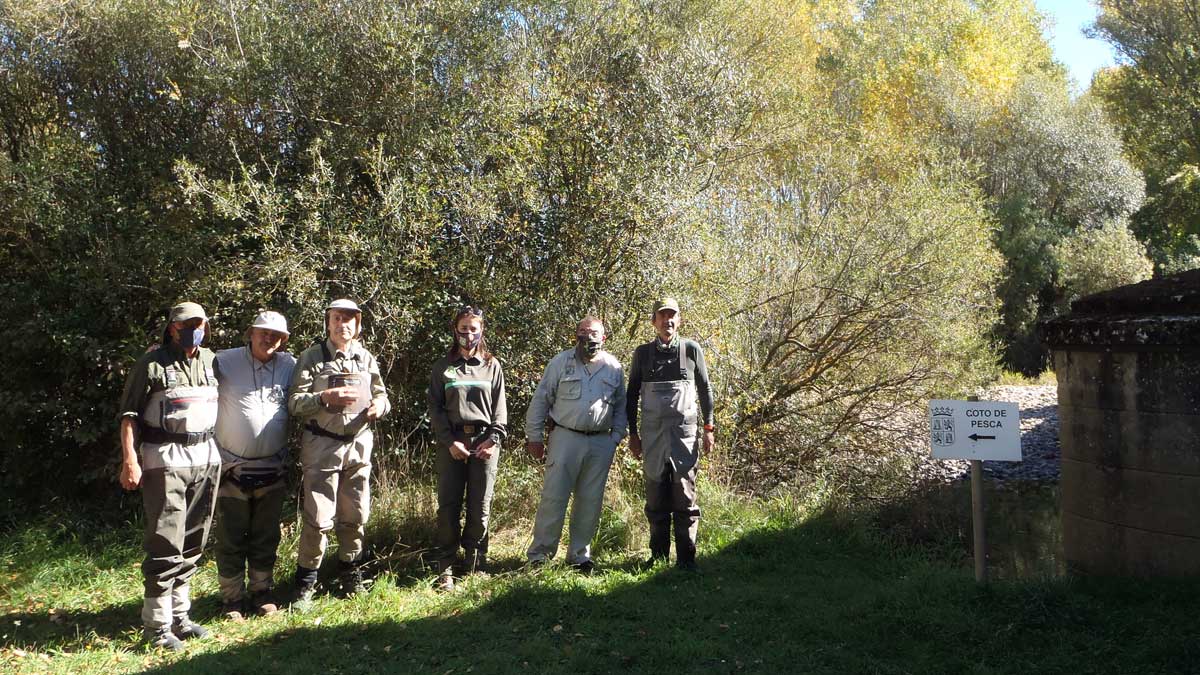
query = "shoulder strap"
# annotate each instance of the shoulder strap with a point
(685, 362)
(325, 355)
(645, 354)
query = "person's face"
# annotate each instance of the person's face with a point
(342, 325)
(264, 342)
(666, 324)
(470, 327)
(179, 326)
(590, 331)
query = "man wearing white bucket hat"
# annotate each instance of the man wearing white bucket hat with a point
(252, 438)
(337, 392)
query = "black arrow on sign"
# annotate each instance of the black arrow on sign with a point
(977, 437)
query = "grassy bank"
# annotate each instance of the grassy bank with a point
(784, 587)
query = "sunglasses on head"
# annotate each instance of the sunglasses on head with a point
(473, 311)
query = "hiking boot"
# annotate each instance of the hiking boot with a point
(586, 568)
(162, 638)
(688, 565)
(351, 579)
(445, 582)
(263, 603)
(186, 629)
(306, 586)
(234, 611)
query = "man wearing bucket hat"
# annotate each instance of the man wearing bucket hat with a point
(252, 438)
(168, 412)
(336, 392)
(670, 381)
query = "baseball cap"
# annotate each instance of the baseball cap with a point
(187, 310)
(665, 303)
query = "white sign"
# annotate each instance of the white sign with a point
(975, 430)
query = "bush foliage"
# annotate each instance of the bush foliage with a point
(832, 237)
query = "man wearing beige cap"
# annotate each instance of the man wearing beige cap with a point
(252, 438)
(337, 392)
(167, 413)
(669, 380)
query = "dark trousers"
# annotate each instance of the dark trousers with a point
(248, 535)
(672, 498)
(476, 479)
(179, 508)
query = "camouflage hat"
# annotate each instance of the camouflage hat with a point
(665, 303)
(345, 304)
(185, 311)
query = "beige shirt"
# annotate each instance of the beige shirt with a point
(584, 396)
(312, 376)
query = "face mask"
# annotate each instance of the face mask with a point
(469, 341)
(191, 337)
(590, 346)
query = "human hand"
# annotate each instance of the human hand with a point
(710, 439)
(339, 397)
(635, 446)
(131, 475)
(536, 449)
(459, 451)
(485, 450)
(372, 411)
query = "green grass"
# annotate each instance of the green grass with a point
(784, 588)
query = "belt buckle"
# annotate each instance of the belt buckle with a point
(470, 428)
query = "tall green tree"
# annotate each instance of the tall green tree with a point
(1153, 95)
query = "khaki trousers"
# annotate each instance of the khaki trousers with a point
(575, 463)
(337, 496)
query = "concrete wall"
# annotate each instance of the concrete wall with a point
(1130, 436)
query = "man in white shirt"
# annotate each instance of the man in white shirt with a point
(252, 433)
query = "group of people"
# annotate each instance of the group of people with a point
(205, 432)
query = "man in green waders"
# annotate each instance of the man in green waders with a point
(669, 380)
(168, 413)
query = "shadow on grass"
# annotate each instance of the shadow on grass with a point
(1024, 528)
(808, 598)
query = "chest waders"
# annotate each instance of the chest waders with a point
(339, 425)
(179, 482)
(669, 412)
(335, 457)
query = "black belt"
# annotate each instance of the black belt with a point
(471, 429)
(157, 435)
(585, 433)
(317, 430)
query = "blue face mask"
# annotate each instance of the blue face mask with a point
(191, 337)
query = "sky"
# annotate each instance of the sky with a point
(1083, 56)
